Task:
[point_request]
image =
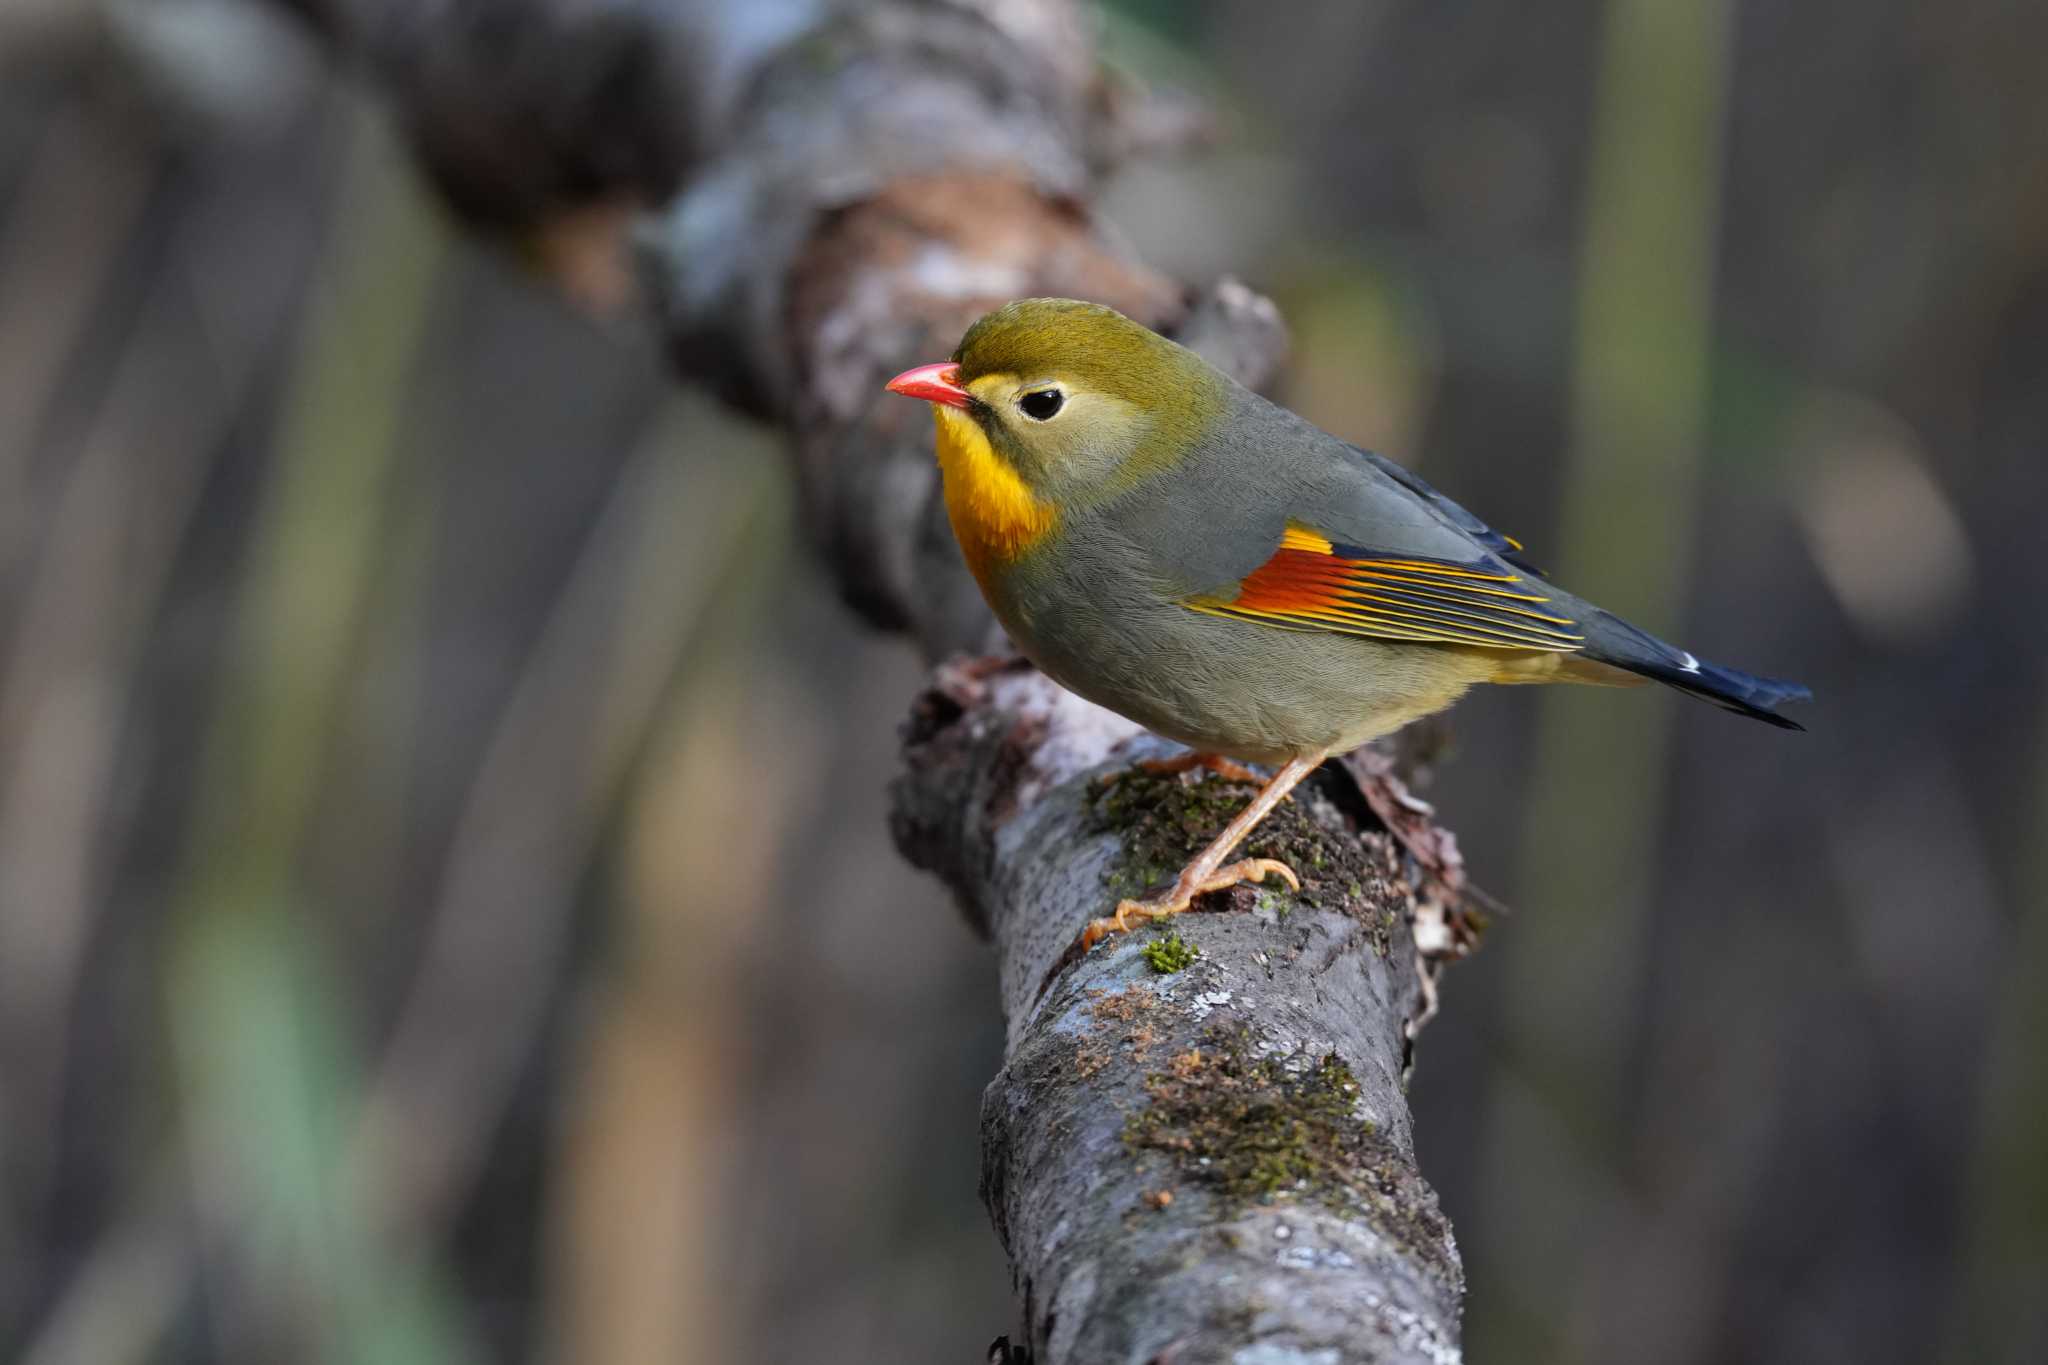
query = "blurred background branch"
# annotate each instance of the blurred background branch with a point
(890, 172)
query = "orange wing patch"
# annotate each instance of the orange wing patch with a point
(1313, 583)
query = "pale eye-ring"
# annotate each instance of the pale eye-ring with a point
(1041, 405)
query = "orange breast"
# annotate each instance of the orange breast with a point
(994, 515)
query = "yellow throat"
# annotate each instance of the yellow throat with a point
(994, 516)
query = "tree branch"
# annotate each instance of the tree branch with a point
(1210, 1164)
(1188, 1165)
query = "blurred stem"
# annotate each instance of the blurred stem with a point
(641, 1265)
(1996, 1314)
(268, 1082)
(558, 758)
(1639, 395)
(62, 232)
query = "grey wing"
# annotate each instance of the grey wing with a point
(1290, 526)
(1223, 517)
(1506, 547)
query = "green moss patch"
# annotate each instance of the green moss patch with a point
(1164, 821)
(1170, 953)
(1248, 1126)
(1252, 1130)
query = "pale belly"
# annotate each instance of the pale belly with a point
(1222, 685)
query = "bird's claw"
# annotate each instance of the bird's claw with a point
(1173, 765)
(1249, 870)
(1184, 891)
(1229, 769)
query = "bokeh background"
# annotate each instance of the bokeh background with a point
(446, 910)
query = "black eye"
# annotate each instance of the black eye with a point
(1040, 404)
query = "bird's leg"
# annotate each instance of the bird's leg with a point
(1226, 768)
(1208, 872)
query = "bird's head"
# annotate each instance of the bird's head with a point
(1075, 399)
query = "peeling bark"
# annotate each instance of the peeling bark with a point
(1212, 1164)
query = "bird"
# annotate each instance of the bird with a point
(1168, 544)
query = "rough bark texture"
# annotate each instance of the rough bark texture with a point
(1198, 1148)
(1207, 1163)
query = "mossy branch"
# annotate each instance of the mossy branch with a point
(1186, 1165)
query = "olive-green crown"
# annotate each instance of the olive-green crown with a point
(1066, 338)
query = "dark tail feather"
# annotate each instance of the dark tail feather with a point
(1614, 641)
